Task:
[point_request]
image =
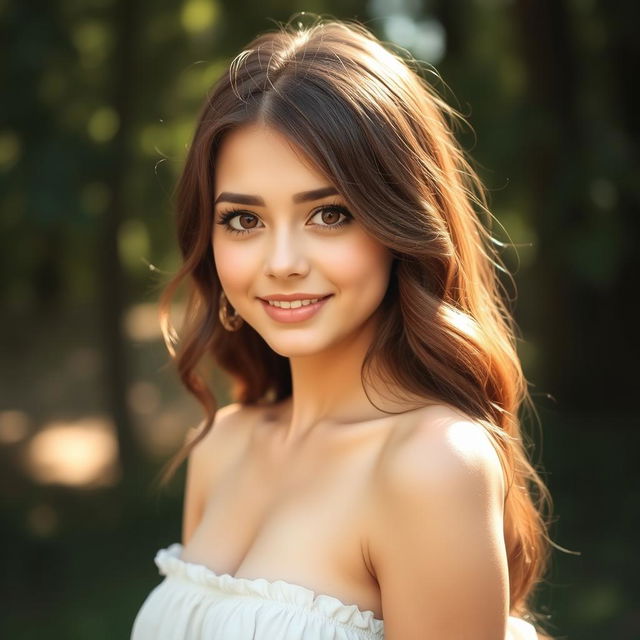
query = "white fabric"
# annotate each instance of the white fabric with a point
(195, 603)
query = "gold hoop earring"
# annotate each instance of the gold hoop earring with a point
(230, 321)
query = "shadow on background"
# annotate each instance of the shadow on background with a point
(99, 102)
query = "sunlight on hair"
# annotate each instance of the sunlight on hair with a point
(463, 322)
(522, 236)
(79, 453)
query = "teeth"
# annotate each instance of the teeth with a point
(293, 304)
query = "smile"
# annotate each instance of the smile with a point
(293, 304)
(294, 310)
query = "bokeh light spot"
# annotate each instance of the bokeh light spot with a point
(141, 322)
(198, 15)
(103, 124)
(80, 453)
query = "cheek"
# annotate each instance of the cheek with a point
(362, 264)
(233, 264)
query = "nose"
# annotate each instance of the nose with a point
(285, 255)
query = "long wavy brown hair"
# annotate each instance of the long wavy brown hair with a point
(363, 111)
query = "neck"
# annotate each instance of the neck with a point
(327, 388)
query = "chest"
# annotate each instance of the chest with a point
(302, 519)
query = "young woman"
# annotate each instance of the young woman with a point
(370, 478)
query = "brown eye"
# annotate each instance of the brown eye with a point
(246, 221)
(330, 216)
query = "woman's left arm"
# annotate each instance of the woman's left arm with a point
(436, 540)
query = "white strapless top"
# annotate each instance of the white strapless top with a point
(195, 603)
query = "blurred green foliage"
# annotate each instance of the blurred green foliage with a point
(99, 99)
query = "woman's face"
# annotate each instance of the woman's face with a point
(273, 237)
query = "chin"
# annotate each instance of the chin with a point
(298, 346)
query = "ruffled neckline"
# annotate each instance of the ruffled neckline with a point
(170, 563)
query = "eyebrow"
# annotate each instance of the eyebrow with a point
(303, 196)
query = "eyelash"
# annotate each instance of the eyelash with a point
(226, 216)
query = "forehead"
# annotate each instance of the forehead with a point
(258, 157)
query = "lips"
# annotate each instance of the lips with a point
(291, 297)
(298, 314)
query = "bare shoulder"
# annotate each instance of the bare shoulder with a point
(440, 446)
(227, 434)
(435, 537)
(208, 458)
(225, 414)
